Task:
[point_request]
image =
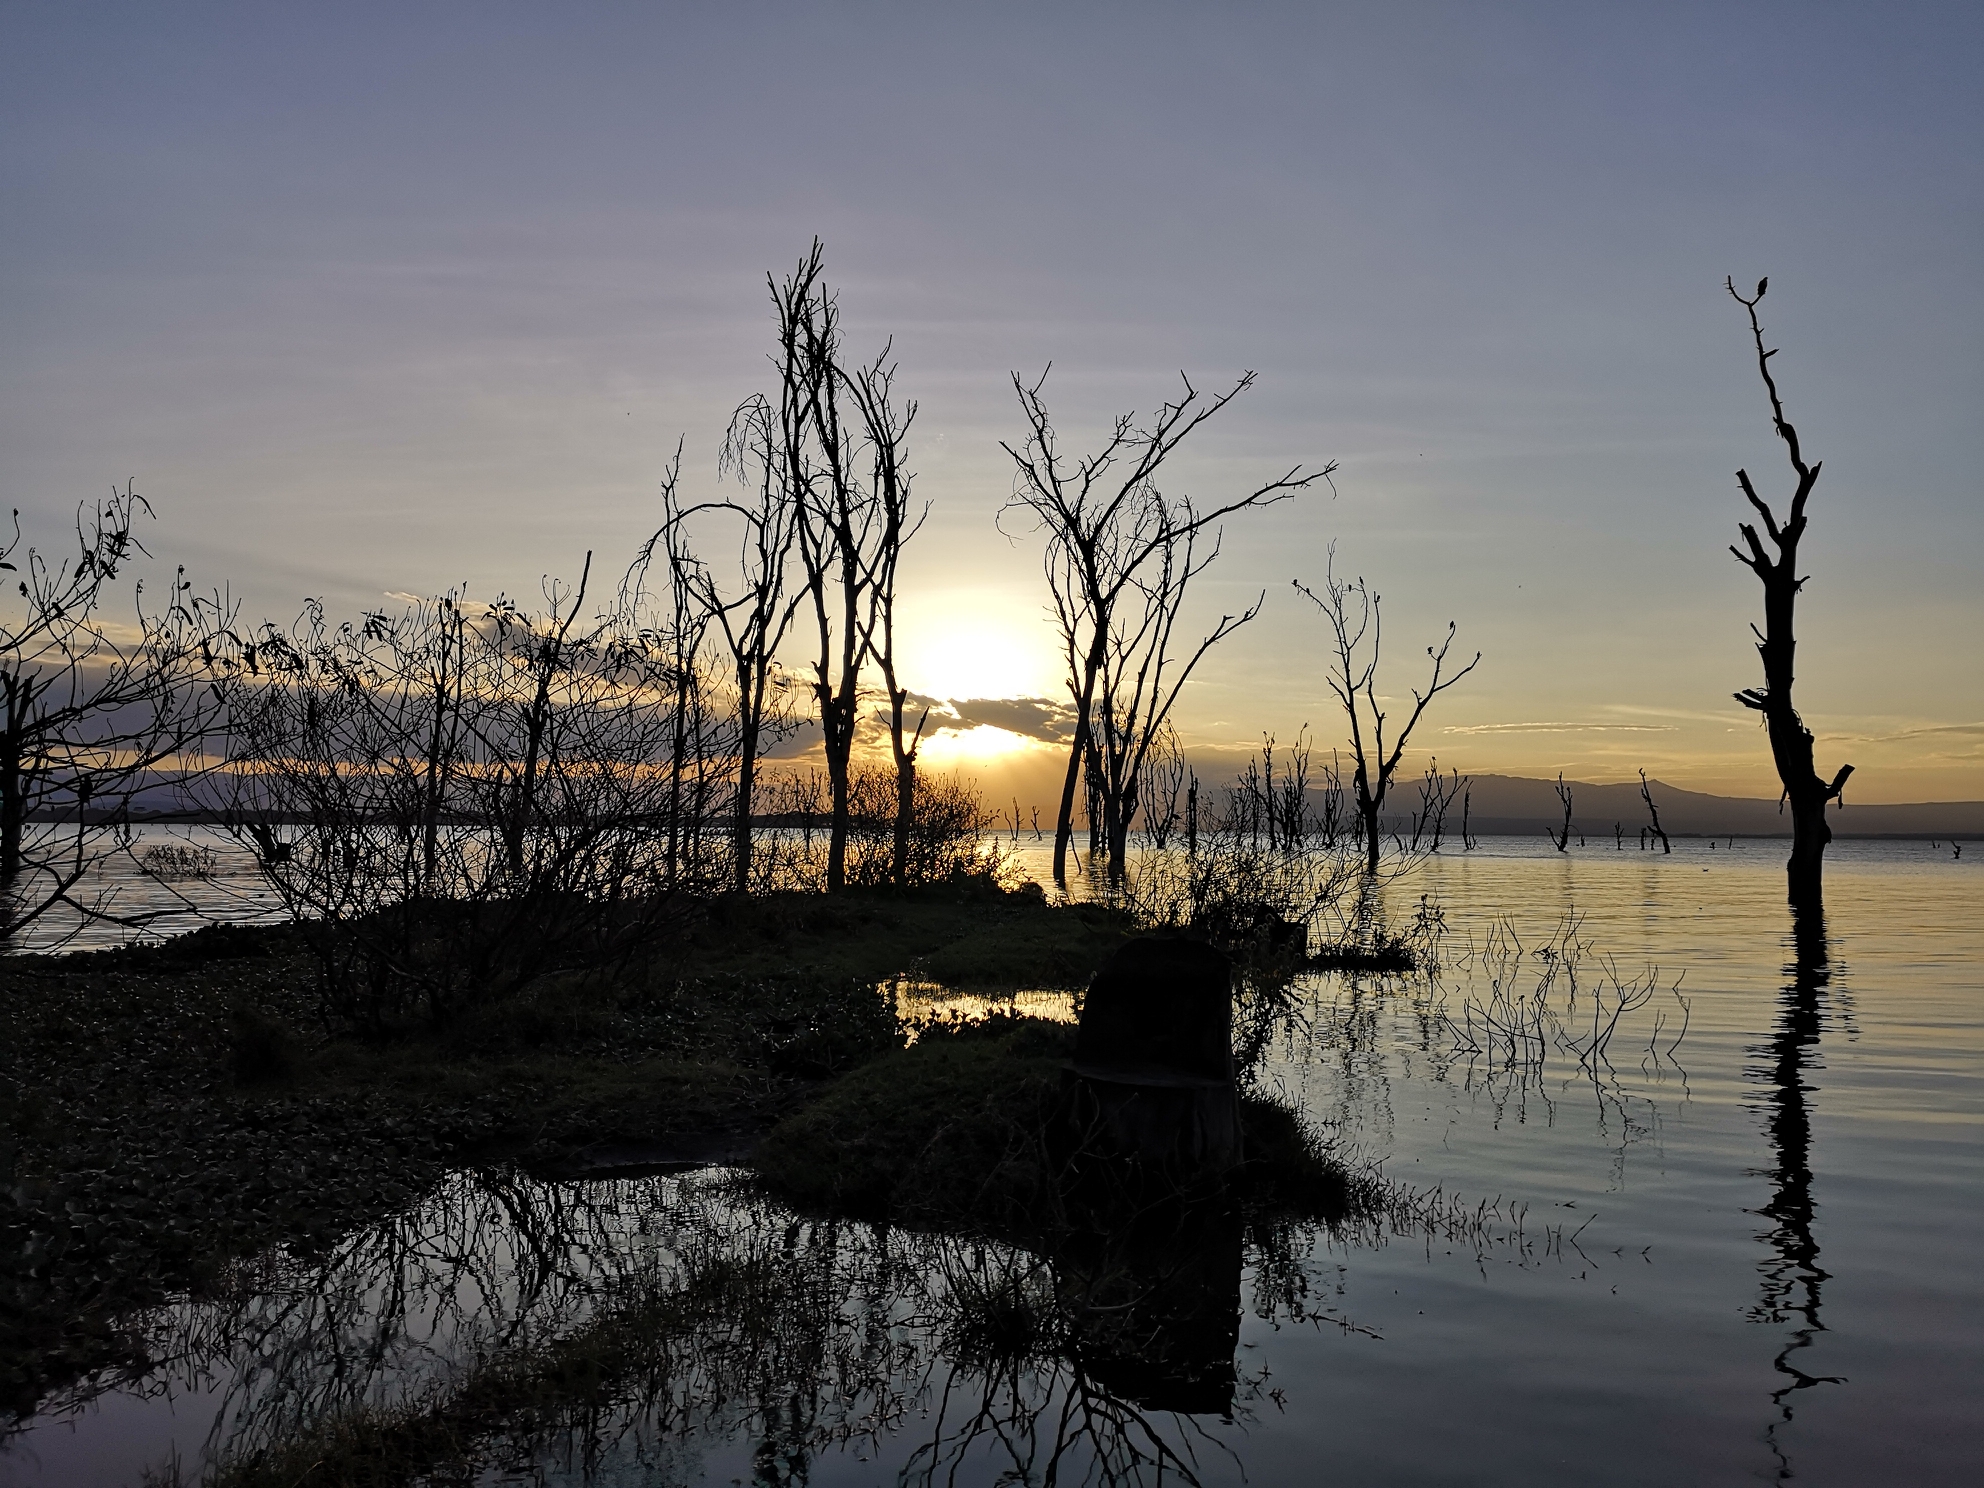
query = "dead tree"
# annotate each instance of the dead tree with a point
(1562, 837)
(846, 470)
(1141, 678)
(1436, 799)
(94, 712)
(543, 654)
(887, 422)
(1790, 740)
(836, 528)
(1356, 641)
(754, 621)
(1105, 521)
(699, 754)
(1165, 776)
(1653, 811)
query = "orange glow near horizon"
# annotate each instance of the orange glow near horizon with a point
(961, 749)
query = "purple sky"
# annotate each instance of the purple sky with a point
(377, 300)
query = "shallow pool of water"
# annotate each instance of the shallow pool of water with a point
(1731, 1242)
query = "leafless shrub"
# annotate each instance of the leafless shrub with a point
(453, 799)
(95, 712)
(949, 837)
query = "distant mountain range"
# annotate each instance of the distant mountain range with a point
(1513, 805)
(1510, 804)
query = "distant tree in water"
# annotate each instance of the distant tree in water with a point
(1562, 837)
(1351, 609)
(1790, 741)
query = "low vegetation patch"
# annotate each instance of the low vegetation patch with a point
(165, 1108)
(953, 1133)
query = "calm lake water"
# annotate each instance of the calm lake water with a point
(1736, 1245)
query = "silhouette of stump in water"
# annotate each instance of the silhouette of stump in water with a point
(1149, 1099)
(1150, 1269)
(1156, 1307)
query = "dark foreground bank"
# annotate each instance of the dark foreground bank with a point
(168, 1109)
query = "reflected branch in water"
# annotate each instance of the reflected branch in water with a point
(1792, 1275)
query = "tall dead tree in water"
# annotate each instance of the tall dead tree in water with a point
(1105, 521)
(1790, 740)
(1356, 638)
(1646, 795)
(1141, 678)
(848, 470)
(1562, 837)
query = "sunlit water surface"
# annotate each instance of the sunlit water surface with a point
(1746, 1255)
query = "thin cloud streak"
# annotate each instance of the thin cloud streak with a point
(1562, 728)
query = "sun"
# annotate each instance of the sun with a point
(979, 646)
(956, 749)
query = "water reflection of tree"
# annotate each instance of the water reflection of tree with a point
(591, 1330)
(1792, 1275)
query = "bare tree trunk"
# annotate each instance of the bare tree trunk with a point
(1563, 838)
(13, 794)
(1368, 807)
(1078, 750)
(1790, 740)
(887, 425)
(747, 769)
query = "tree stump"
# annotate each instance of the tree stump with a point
(1150, 1095)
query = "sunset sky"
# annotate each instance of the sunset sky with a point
(377, 300)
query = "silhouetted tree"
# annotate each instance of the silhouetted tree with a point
(543, 655)
(1356, 640)
(1562, 837)
(887, 424)
(1653, 811)
(836, 527)
(844, 471)
(701, 763)
(1106, 521)
(1790, 740)
(1436, 798)
(755, 620)
(1141, 678)
(93, 711)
